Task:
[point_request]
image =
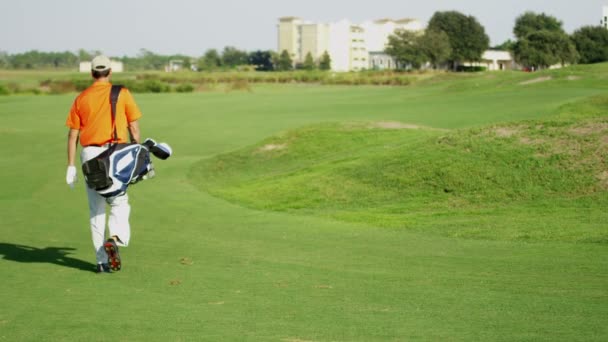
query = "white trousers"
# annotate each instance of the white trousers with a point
(118, 223)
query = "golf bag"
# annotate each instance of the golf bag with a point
(112, 171)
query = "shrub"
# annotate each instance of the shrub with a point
(466, 68)
(184, 88)
(153, 86)
(61, 87)
(4, 90)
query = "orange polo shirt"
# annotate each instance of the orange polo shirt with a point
(91, 114)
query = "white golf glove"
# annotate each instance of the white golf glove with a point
(71, 176)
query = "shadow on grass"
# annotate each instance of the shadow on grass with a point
(53, 255)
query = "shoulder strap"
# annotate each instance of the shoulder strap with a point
(113, 100)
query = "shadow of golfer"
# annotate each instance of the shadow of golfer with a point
(52, 255)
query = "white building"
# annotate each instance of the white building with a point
(494, 60)
(604, 20)
(116, 66)
(377, 31)
(348, 45)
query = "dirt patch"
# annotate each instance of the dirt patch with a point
(536, 80)
(272, 147)
(186, 261)
(603, 179)
(573, 78)
(505, 132)
(530, 141)
(393, 125)
(591, 128)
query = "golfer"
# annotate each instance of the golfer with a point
(90, 120)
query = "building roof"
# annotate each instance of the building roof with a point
(288, 18)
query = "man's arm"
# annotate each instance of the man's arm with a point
(134, 131)
(71, 174)
(72, 142)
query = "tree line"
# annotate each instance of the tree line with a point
(452, 38)
(229, 58)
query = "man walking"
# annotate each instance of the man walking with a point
(90, 120)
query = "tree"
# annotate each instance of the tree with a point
(541, 41)
(435, 46)
(545, 48)
(4, 60)
(262, 60)
(591, 43)
(507, 45)
(84, 55)
(309, 62)
(325, 61)
(284, 63)
(531, 22)
(404, 47)
(232, 57)
(468, 39)
(210, 61)
(152, 61)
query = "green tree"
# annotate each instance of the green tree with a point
(262, 60)
(309, 62)
(468, 39)
(507, 45)
(541, 41)
(530, 22)
(151, 61)
(325, 61)
(4, 60)
(232, 57)
(284, 62)
(84, 55)
(591, 43)
(545, 48)
(435, 46)
(211, 60)
(404, 47)
(36, 60)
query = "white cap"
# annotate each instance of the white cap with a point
(101, 63)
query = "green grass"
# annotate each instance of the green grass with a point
(202, 268)
(530, 180)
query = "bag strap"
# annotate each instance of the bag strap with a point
(113, 100)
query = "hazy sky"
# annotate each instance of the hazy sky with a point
(123, 27)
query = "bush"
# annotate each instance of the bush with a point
(61, 87)
(184, 88)
(4, 90)
(152, 86)
(466, 68)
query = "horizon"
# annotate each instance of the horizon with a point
(188, 28)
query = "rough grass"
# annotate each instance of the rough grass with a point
(538, 180)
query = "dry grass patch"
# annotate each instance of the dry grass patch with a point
(272, 147)
(536, 80)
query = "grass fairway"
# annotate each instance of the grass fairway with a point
(207, 265)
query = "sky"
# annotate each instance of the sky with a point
(124, 27)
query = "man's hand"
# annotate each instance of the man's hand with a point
(71, 176)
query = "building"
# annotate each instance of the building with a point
(117, 66)
(604, 20)
(494, 60)
(349, 46)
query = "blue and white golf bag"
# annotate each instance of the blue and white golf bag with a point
(112, 171)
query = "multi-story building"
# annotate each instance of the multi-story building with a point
(605, 17)
(289, 36)
(350, 46)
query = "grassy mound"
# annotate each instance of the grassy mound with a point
(538, 180)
